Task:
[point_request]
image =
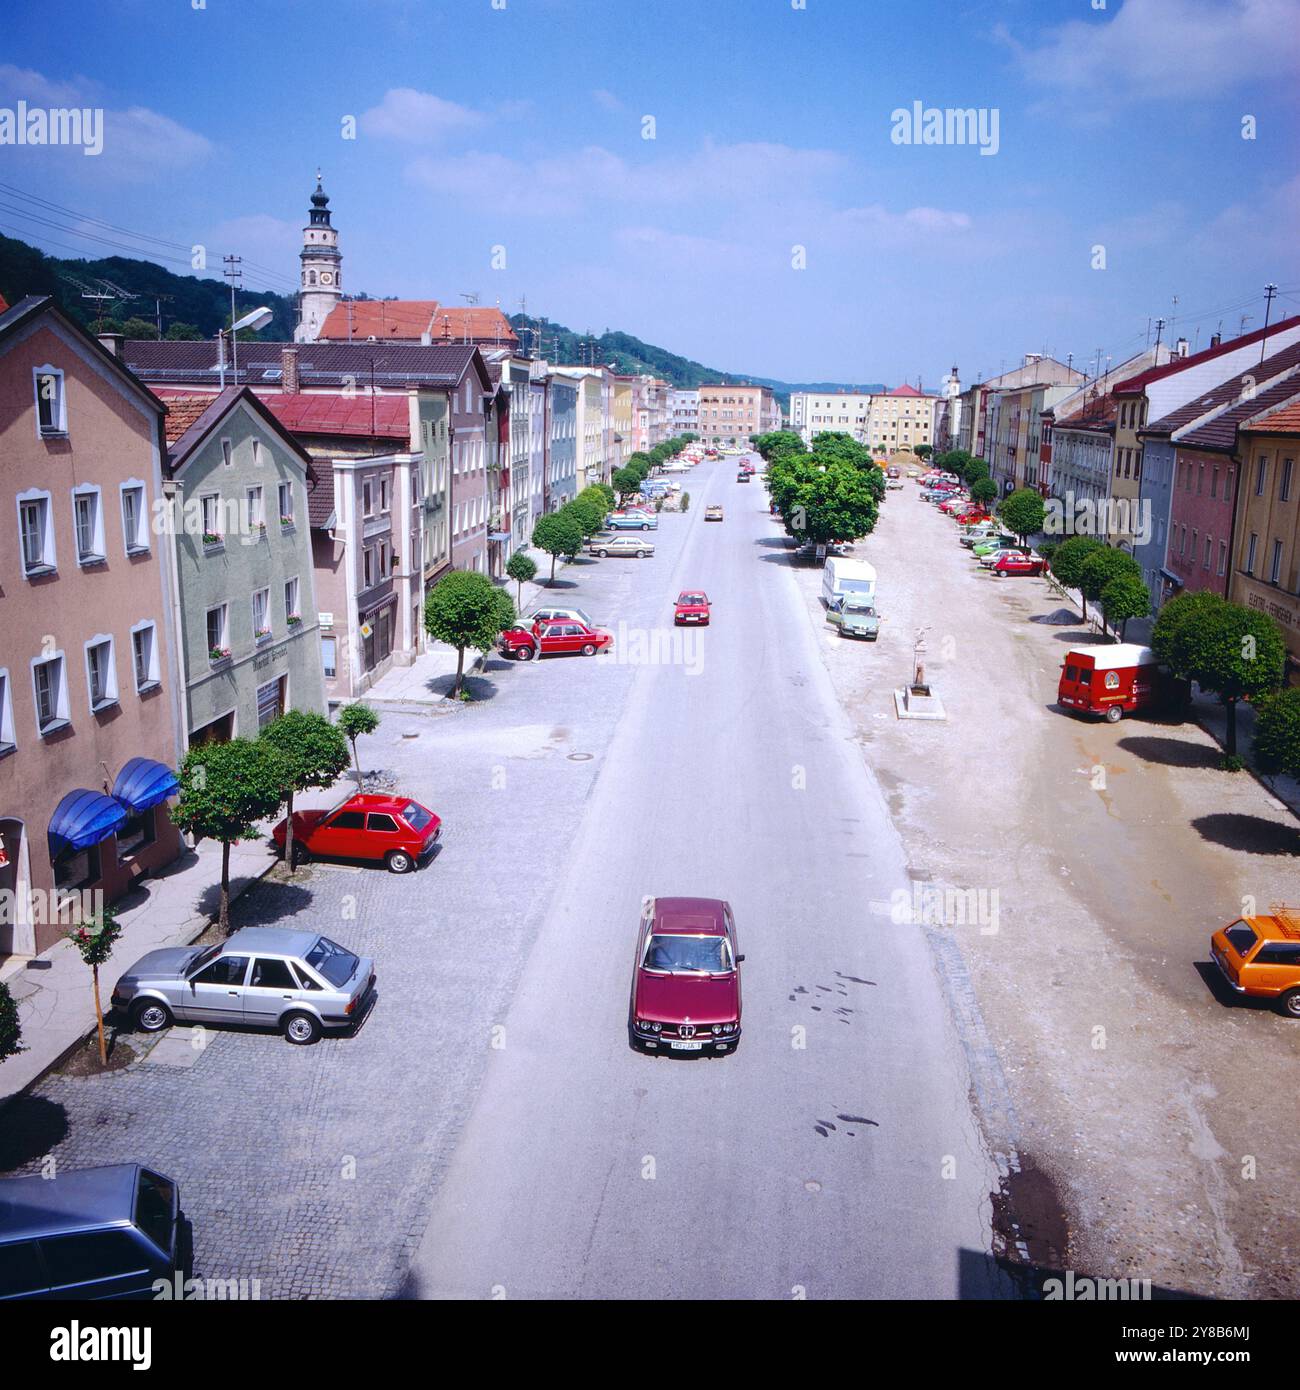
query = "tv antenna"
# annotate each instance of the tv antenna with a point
(470, 296)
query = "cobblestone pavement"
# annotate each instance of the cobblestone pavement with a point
(312, 1169)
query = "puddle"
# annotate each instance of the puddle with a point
(1029, 1223)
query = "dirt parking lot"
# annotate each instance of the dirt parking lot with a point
(1152, 1121)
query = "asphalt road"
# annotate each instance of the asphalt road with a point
(835, 1154)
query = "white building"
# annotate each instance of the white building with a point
(321, 275)
(684, 407)
(843, 412)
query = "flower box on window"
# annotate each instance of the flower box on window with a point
(294, 619)
(286, 522)
(211, 538)
(218, 654)
(263, 634)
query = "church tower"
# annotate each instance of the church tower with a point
(320, 279)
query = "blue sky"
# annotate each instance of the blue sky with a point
(521, 127)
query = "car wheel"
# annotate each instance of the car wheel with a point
(588, 649)
(524, 654)
(301, 854)
(300, 1029)
(1290, 1003)
(645, 526)
(640, 555)
(604, 554)
(399, 862)
(149, 1016)
(1114, 714)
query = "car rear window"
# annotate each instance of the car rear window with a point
(154, 1202)
(1242, 936)
(415, 816)
(328, 958)
(1071, 673)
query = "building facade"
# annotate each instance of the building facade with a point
(685, 410)
(320, 273)
(730, 414)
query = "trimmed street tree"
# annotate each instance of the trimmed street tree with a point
(1023, 512)
(1103, 565)
(225, 789)
(466, 609)
(984, 491)
(357, 719)
(589, 515)
(923, 451)
(627, 481)
(1277, 735)
(1125, 597)
(1067, 564)
(557, 534)
(94, 941)
(313, 754)
(522, 568)
(11, 1030)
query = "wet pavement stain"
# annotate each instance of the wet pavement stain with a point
(1029, 1224)
(854, 979)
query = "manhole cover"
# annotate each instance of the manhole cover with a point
(580, 757)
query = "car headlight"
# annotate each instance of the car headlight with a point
(730, 1027)
(717, 1028)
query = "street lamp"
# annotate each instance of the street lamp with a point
(257, 319)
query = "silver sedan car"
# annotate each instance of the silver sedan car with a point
(604, 545)
(298, 982)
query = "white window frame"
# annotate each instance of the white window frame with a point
(153, 676)
(219, 530)
(59, 429)
(227, 453)
(110, 697)
(255, 508)
(257, 452)
(224, 643)
(8, 738)
(265, 625)
(289, 612)
(283, 488)
(329, 666)
(48, 560)
(1252, 546)
(61, 717)
(139, 543)
(98, 553)
(1275, 562)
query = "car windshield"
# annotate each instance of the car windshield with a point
(204, 957)
(697, 599)
(415, 815)
(328, 958)
(688, 955)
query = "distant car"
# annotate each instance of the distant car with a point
(634, 521)
(893, 471)
(686, 977)
(713, 512)
(742, 476)
(983, 549)
(553, 639)
(692, 607)
(893, 483)
(390, 829)
(1015, 562)
(551, 614)
(854, 616)
(298, 982)
(619, 545)
(913, 472)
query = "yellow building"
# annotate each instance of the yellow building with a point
(901, 420)
(623, 420)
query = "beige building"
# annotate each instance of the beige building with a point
(730, 414)
(901, 419)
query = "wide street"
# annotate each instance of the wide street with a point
(489, 1126)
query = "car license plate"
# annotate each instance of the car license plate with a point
(686, 1046)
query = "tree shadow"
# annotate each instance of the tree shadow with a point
(30, 1128)
(1171, 752)
(1249, 834)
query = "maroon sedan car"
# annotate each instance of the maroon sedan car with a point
(686, 979)
(553, 639)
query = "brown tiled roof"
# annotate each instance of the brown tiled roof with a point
(1226, 393)
(358, 319)
(1283, 421)
(320, 499)
(184, 411)
(1096, 416)
(1220, 432)
(475, 323)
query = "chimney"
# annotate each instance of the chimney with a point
(289, 370)
(113, 343)
(1182, 347)
(1216, 340)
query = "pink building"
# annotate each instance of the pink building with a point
(89, 689)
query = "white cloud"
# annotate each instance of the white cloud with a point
(1161, 49)
(606, 100)
(418, 117)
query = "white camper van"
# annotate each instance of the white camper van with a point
(842, 577)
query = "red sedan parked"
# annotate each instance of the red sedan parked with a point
(554, 639)
(1017, 562)
(392, 829)
(692, 607)
(686, 977)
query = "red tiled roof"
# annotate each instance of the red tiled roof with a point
(1178, 364)
(359, 319)
(182, 412)
(1283, 421)
(905, 390)
(372, 417)
(477, 324)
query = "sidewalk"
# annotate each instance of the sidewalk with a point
(171, 908)
(1207, 710)
(428, 680)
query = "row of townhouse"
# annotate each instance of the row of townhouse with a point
(888, 422)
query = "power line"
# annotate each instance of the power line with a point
(85, 217)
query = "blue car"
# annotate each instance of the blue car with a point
(635, 522)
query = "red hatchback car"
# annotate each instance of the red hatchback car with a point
(692, 607)
(686, 978)
(1016, 562)
(394, 829)
(554, 639)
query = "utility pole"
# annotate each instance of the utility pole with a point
(234, 274)
(1160, 328)
(1270, 291)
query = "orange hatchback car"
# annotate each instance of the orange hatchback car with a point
(1260, 957)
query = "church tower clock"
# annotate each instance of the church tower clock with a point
(319, 281)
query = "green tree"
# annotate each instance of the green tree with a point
(557, 534)
(972, 471)
(627, 481)
(225, 789)
(1067, 564)
(140, 328)
(835, 502)
(923, 451)
(588, 513)
(686, 501)
(1023, 512)
(522, 568)
(94, 941)
(183, 333)
(465, 609)
(1101, 567)
(984, 491)
(313, 754)
(357, 719)
(1277, 737)
(11, 1029)
(1125, 597)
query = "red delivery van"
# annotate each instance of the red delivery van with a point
(1113, 681)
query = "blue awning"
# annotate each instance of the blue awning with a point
(83, 818)
(143, 783)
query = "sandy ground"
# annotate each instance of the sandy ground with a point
(1152, 1123)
